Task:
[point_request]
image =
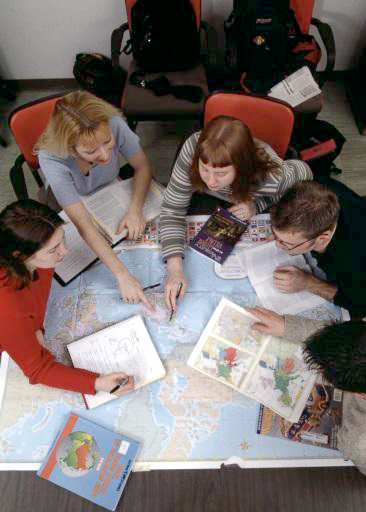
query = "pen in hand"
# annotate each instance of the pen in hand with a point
(178, 293)
(122, 383)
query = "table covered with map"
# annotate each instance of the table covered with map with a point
(185, 420)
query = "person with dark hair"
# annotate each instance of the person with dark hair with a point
(327, 219)
(31, 245)
(338, 353)
(236, 170)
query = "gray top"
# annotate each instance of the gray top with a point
(68, 182)
(352, 434)
(179, 191)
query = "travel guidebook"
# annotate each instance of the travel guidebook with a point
(90, 460)
(107, 207)
(268, 369)
(218, 235)
(319, 422)
(122, 347)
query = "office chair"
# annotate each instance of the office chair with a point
(27, 123)
(268, 120)
(141, 104)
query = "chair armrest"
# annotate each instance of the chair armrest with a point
(116, 43)
(17, 178)
(208, 41)
(327, 37)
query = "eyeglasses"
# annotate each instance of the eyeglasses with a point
(289, 246)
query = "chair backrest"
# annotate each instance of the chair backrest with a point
(28, 122)
(268, 120)
(303, 10)
(196, 4)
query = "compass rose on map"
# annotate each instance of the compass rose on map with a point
(244, 446)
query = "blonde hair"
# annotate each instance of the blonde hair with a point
(76, 115)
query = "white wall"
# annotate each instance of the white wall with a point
(40, 38)
(347, 19)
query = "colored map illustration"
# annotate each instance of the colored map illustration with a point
(184, 419)
(235, 327)
(77, 454)
(280, 376)
(222, 361)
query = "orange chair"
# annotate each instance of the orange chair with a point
(141, 104)
(268, 120)
(26, 123)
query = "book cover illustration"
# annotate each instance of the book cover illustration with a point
(218, 235)
(90, 460)
(319, 422)
(270, 370)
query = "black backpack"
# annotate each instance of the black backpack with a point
(95, 73)
(164, 36)
(257, 37)
(264, 44)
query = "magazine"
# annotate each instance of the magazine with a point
(298, 87)
(122, 347)
(90, 460)
(268, 369)
(219, 235)
(319, 422)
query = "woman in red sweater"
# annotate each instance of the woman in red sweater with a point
(31, 245)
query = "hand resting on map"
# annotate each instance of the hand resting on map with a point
(269, 322)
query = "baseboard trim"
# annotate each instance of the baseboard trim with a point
(43, 83)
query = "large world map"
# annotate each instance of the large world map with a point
(183, 420)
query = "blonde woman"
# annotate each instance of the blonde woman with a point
(224, 161)
(78, 153)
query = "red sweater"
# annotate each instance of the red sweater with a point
(21, 315)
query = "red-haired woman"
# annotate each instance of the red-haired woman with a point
(224, 161)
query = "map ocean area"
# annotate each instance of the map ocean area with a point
(185, 420)
(123, 347)
(268, 369)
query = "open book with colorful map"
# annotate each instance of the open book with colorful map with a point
(268, 369)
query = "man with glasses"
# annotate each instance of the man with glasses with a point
(330, 222)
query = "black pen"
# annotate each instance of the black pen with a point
(178, 293)
(151, 287)
(122, 383)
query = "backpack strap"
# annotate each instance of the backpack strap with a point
(116, 43)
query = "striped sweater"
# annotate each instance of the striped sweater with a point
(179, 192)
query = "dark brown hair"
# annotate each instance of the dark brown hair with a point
(227, 141)
(25, 227)
(308, 208)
